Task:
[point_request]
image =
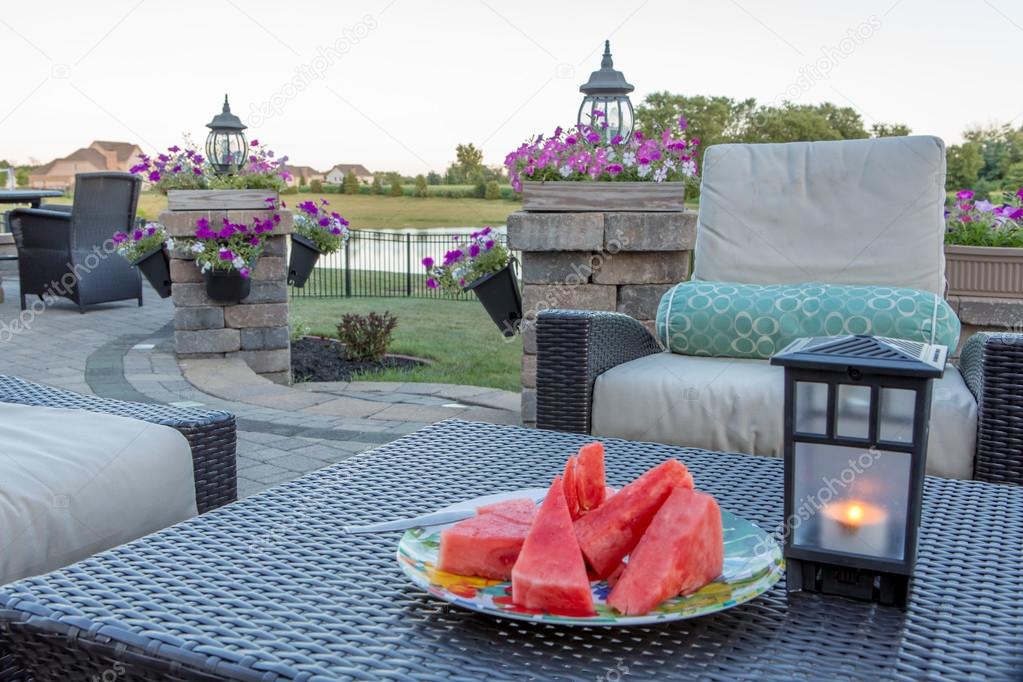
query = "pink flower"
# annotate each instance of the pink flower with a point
(244, 272)
(1019, 192)
(427, 262)
(432, 283)
(964, 194)
(254, 143)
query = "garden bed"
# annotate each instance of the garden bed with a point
(315, 358)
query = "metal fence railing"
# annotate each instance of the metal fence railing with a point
(382, 264)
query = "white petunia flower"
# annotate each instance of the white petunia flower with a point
(198, 247)
(205, 267)
(238, 262)
(660, 174)
(565, 171)
(689, 168)
(611, 155)
(169, 243)
(629, 159)
(643, 170)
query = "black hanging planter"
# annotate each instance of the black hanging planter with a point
(499, 294)
(226, 286)
(155, 265)
(303, 257)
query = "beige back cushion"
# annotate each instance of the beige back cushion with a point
(846, 212)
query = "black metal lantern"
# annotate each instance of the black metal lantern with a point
(856, 422)
(226, 147)
(606, 105)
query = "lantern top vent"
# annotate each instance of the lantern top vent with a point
(868, 354)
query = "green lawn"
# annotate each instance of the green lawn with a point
(458, 335)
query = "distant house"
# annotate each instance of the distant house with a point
(336, 175)
(101, 155)
(307, 172)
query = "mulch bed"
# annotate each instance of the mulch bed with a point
(314, 359)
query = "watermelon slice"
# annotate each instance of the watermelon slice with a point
(591, 488)
(571, 489)
(612, 530)
(550, 574)
(486, 545)
(681, 551)
(521, 509)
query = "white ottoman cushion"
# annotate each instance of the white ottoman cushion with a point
(74, 483)
(735, 405)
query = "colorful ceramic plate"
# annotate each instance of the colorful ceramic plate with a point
(753, 563)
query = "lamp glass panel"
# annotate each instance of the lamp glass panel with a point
(853, 411)
(850, 500)
(898, 406)
(811, 407)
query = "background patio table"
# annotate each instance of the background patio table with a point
(32, 197)
(271, 586)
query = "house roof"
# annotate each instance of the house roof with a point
(303, 171)
(357, 167)
(87, 154)
(124, 150)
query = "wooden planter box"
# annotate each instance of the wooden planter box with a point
(603, 196)
(218, 199)
(984, 271)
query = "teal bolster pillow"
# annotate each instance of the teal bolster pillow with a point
(723, 319)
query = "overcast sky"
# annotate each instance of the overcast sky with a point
(397, 84)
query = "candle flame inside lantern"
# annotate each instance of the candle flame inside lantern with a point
(854, 514)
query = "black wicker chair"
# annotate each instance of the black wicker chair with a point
(61, 249)
(574, 347)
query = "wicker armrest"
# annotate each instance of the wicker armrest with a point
(210, 433)
(35, 228)
(574, 347)
(992, 364)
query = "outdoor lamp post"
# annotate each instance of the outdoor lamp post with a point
(856, 421)
(226, 147)
(606, 105)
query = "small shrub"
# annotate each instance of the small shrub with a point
(351, 183)
(421, 187)
(366, 337)
(397, 190)
(492, 191)
(316, 186)
(299, 328)
(290, 190)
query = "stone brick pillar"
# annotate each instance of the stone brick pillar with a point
(617, 261)
(256, 329)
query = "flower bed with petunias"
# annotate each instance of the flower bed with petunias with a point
(578, 154)
(473, 257)
(186, 168)
(328, 230)
(132, 246)
(979, 222)
(230, 246)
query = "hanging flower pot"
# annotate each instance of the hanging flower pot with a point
(226, 286)
(303, 258)
(155, 265)
(499, 294)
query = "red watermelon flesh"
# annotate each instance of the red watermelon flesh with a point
(520, 509)
(681, 551)
(571, 490)
(550, 574)
(589, 477)
(485, 546)
(612, 530)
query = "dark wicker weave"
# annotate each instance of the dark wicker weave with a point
(61, 253)
(575, 346)
(210, 433)
(270, 588)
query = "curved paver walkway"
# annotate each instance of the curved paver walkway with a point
(119, 350)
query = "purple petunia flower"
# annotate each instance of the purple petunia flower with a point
(682, 123)
(614, 169)
(432, 283)
(137, 235)
(154, 176)
(1019, 192)
(474, 250)
(324, 221)
(254, 143)
(617, 139)
(964, 194)
(150, 231)
(254, 241)
(336, 230)
(489, 244)
(120, 237)
(427, 262)
(244, 272)
(226, 254)
(174, 150)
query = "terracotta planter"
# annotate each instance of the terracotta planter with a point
(155, 265)
(303, 258)
(499, 294)
(984, 271)
(226, 286)
(219, 199)
(603, 196)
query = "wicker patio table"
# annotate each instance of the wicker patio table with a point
(271, 588)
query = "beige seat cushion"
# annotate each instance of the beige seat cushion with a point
(73, 483)
(736, 406)
(849, 212)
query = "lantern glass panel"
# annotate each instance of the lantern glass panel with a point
(615, 111)
(897, 409)
(850, 500)
(227, 150)
(853, 411)
(811, 407)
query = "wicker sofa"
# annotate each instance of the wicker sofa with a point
(861, 213)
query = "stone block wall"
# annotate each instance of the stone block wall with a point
(256, 329)
(616, 261)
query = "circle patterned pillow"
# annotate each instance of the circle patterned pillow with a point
(724, 319)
